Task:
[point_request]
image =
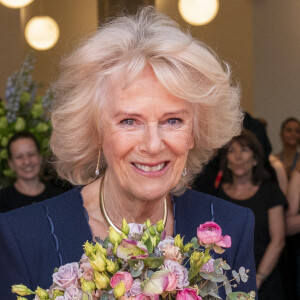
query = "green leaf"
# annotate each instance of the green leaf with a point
(148, 244)
(236, 276)
(237, 296)
(213, 277)
(228, 288)
(153, 262)
(136, 273)
(214, 294)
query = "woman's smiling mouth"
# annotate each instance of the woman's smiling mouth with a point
(147, 168)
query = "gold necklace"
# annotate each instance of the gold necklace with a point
(109, 221)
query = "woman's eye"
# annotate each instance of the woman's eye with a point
(128, 122)
(174, 121)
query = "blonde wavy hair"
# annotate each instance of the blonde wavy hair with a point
(126, 44)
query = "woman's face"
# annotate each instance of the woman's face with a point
(291, 133)
(25, 159)
(147, 133)
(240, 160)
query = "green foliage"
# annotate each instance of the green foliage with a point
(23, 110)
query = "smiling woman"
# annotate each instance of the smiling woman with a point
(25, 160)
(139, 107)
(245, 183)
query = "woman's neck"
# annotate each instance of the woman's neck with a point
(240, 188)
(32, 187)
(289, 152)
(120, 204)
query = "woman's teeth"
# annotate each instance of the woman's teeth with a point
(150, 169)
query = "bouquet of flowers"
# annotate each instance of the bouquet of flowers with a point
(23, 110)
(142, 263)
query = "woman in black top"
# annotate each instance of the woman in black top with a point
(244, 183)
(25, 160)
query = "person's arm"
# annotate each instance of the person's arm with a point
(280, 173)
(277, 242)
(293, 197)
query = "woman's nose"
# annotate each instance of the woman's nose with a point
(237, 154)
(152, 139)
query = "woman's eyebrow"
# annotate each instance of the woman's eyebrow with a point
(136, 115)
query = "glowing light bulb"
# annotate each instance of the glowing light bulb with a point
(198, 12)
(41, 32)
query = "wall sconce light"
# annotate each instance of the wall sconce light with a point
(15, 3)
(198, 12)
(41, 32)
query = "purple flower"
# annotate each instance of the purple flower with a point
(135, 231)
(67, 275)
(167, 241)
(180, 271)
(72, 293)
(135, 288)
(208, 267)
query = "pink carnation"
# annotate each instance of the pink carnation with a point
(187, 294)
(211, 233)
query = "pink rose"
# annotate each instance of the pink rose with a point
(172, 282)
(187, 294)
(160, 281)
(180, 271)
(85, 266)
(122, 276)
(67, 275)
(211, 233)
(172, 253)
(145, 297)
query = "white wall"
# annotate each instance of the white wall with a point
(276, 63)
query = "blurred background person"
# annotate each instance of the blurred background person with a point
(293, 223)
(25, 160)
(290, 135)
(245, 182)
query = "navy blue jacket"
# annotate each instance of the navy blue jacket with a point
(36, 239)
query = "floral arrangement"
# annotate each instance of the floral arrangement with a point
(23, 110)
(142, 263)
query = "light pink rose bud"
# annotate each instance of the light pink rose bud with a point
(172, 282)
(67, 275)
(122, 276)
(187, 294)
(87, 270)
(211, 233)
(172, 253)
